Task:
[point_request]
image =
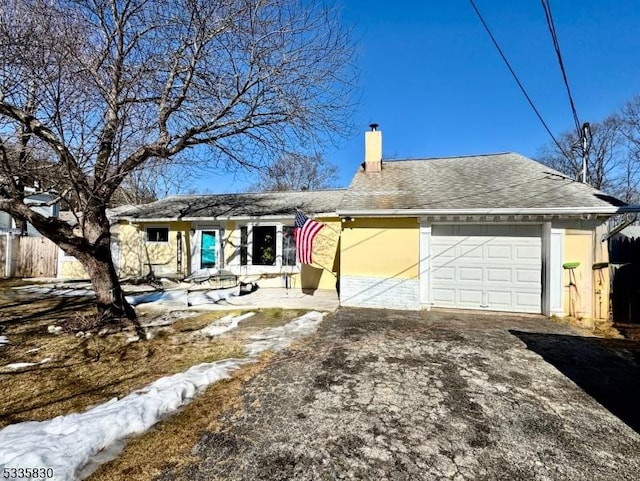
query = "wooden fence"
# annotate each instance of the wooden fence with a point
(37, 257)
(624, 255)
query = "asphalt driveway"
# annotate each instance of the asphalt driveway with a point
(461, 396)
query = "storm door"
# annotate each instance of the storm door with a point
(209, 249)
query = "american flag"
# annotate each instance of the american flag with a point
(305, 231)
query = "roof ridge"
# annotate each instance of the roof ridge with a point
(467, 156)
(282, 192)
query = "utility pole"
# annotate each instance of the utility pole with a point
(586, 130)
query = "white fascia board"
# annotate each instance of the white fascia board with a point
(219, 218)
(496, 211)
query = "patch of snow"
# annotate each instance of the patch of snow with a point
(57, 291)
(54, 329)
(74, 445)
(4, 340)
(19, 365)
(281, 337)
(35, 349)
(184, 296)
(173, 296)
(196, 298)
(224, 324)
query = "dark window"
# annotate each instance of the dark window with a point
(264, 246)
(157, 234)
(244, 242)
(288, 246)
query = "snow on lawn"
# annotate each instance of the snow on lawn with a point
(224, 324)
(184, 296)
(59, 291)
(4, 340)
(20, 365)
(278, 338)
(73, 446)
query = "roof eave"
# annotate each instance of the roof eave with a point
(605, 211)
(223, 218)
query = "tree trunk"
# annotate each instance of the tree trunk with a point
(111, 303)
(112, 306)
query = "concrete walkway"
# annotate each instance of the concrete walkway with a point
(318, 300)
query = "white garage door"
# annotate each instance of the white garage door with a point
(486, 267)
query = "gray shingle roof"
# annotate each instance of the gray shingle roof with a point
(225, 206)
(495, 181)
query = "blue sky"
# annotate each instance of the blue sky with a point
(432, 79)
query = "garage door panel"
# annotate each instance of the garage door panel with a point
(527, 276)
(528, 253)
(469, 274)
(444, 297)
(531, 299)
(469, 296)
(443, 252)
(444, 273)
(493, 267)
(499, 253)
(499, 299)
(497, 274)
(469, 252)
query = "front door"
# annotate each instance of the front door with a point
(209, 249)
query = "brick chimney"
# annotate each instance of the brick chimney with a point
(373, 149)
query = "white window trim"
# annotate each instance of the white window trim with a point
(196, 241)
(277, 268)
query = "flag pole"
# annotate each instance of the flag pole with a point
(325, 224)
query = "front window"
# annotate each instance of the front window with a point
(264, 246)
(157, 234)
(288, 246)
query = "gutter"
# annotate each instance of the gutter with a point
(612, 210)
(222, 218)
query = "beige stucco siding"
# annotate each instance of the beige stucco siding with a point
(323, 273)
(231, 240)
(578, 298)
(137, 254)
(601, 275)
(386, 248)
(72, 269)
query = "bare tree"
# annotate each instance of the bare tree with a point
(295, 171)
(108, 87)
(609, 166)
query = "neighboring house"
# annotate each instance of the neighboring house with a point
(496, 232)
(33, 256)
(41, 203)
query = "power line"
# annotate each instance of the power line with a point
(556, 46)
(515, 77)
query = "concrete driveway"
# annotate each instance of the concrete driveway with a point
(461, 396)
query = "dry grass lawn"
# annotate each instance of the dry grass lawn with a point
(85, 371)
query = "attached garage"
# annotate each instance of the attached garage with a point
(494, 233)
(493, 267)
